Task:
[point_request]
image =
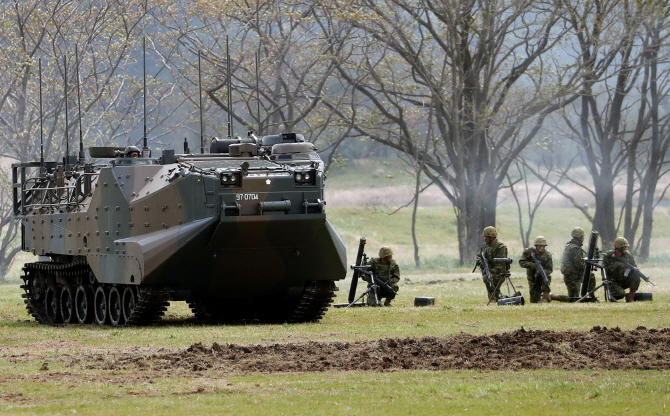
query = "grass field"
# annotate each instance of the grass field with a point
(64, 386)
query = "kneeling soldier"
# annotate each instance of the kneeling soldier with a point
(617, 271)
(536, 285)
(385, 268)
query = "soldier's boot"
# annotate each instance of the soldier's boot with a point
(546, 297)
(387, 302)
(630, 296)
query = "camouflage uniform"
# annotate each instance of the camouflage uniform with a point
(496, 250)
(572, 268)
(616, 274)
(536, 284)
(389, 273)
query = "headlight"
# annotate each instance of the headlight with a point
(304, 178)
(228, 179)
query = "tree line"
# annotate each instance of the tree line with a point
(476, 95)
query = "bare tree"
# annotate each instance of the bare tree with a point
(612, 121)
(530, 206)
(105, 35)
(9, 247)
(484, 68)
(606, 34)
(656, 33)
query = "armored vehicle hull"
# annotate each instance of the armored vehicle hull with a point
(238, 234)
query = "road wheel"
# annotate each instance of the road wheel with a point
(100, 306)
(52, 304)
(83, 301)
(129, 301)
(38, 286)
(67, 296)
(115, 311)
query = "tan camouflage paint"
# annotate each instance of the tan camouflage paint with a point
(165, 224)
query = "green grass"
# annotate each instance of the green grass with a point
(356, 393)
(368, 173)
(460, 307)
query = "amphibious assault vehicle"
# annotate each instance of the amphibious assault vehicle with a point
(238, 233)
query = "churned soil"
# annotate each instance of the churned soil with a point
(599, 348)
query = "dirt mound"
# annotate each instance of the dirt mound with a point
(600, 348)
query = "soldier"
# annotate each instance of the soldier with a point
(572, 264)
(132, 151)
(617, 273)
(385, 268)
(538, 289)
(493, 249)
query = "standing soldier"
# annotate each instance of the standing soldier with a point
(572, 264)
(618, 273)
(385, 268)
(492, 248)
(536, 285)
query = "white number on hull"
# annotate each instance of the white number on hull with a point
(246, 197)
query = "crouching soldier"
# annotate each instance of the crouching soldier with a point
(539, 291)
(386, 269)
(617, 271)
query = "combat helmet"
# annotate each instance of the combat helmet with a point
(489, 232)
(540, 241)
(577, 232)
(130, 150)
(385, 252)
(620, 243)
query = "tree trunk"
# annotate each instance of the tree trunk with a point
(603, 219)
(417, 191)
(478, 214)
(655, 162)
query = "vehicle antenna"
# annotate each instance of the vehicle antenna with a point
(67, 137)
(230, 110)
(41, 122)
(202, 133)
(82, 156)
(258, 98)
(145, 148)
